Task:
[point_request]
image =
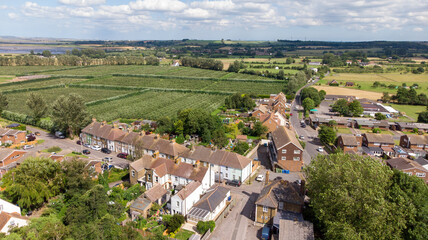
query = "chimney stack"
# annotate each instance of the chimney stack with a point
(267, 177)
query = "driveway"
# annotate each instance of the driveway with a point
(67, 145)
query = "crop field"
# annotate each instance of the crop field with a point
(153, 105)
(17, 100)
(211, 85)
(366, 80)
(349, 91)
(37, 84)
(133, 91)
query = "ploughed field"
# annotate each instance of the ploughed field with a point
(131, 91)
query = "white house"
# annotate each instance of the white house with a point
(210, 205)
(10, 220)
(186, 198)
(8, 207)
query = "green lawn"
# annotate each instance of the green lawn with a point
(410, 110)
(370, 131)
(340, 130)
(117, 175)
(183, 234)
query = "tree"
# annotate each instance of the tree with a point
(235, 66)
(69, 113)
(355, 108)
(34, 182)
(385, 97)
(37, 105)
(46, 53)
(308, 104)
(380, 116)
(241, 148)
(174, 222)
(327, 135)
(289, 60)
(258, 129)
(423, 117)
(76, 178)
(313, 94)
(393, 208)
(152, 60)
(203, 227)
(341, 106)
(3, 102)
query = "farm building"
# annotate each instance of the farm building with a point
(349, 84)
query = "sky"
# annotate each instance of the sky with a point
(324, 20)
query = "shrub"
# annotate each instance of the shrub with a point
(174, 222)
(203, 227)
(376, 130)
(54, 149)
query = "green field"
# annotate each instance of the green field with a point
(410, 110)
(138, 91)
(153, 105)
(366, 80)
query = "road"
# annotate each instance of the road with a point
(309, 134)
(67, 145)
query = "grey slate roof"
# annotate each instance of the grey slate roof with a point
(212, 198)
(279, 191)
(140, 203)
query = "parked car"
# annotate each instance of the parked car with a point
(108, 159)
(122, 155)
(260, 178)
(96, 147)
(303, 125)
(235, 183)
(59, 134)
(37, 133)
(31, 137)
(320, 149)
(27, 147)
(302, 137)
(105, 150)
(79, 142)
(86, 145)
(86, 151)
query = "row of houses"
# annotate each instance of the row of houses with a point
(12, 136)
(382, 145)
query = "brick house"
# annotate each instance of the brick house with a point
(9, 158)
(12, 136)
(414, 142)
(409, 167)
(285, 150)
(349, 143)
(377, 140)
(279, 195)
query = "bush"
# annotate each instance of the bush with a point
(203, 227)
(174, 223)
(376, 130)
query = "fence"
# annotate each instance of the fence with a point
(225, 212)
(206, 235)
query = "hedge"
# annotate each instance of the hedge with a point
(97, 102)
(25, 119)
(195, 78)
(34, 89)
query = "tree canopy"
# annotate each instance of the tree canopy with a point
(355, 197)
(37, 104)
(327, 135)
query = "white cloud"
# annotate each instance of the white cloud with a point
(12, 15)
(418, 29)
(3, 7)
(196, 13)
(82, 3)
(158, 5)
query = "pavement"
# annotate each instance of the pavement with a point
(67, 145)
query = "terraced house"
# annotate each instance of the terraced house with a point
(11, 136)
(414, 142)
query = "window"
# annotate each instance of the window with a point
(265, 209)
(178, 204)
(226, 175)
(148, 177)
(133, 173)
(284, 150)
(157, 179)
(176, 178)
(296, 151)
(409, 173)
(420, 146)
(227, 168)
(420, 174)
(283, 158)
(296, 158)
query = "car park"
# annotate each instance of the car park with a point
(260, 177)
(105, 150)
(235, 183)
(122, 155)
(96, 148)
(86, 151)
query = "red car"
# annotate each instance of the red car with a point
(122, 155)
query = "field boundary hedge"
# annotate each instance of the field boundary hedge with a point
(28, 120)
(101, 101)
(195, 78)
(112, 87)
(53, 70)
(33, 89)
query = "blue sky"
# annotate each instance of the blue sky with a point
(331, 20)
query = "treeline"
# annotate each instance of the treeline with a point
(297, 81)
(195, 122)
(311, 98)
(239, 101)
(410, 96)
(204, 63)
